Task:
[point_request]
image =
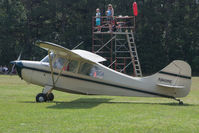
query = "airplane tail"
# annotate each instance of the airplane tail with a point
(175, 78)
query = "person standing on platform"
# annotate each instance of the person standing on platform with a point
(98, 20)
(110, 15)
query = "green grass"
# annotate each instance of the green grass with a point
(93, 114)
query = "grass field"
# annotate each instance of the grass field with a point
(93, 114)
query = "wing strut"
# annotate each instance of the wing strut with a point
(51, 69)
(61, 71)
(52, 74)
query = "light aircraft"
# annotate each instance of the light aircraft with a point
(80, 72)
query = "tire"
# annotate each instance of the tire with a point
(41, 98)
(180, 102)
(50, 97)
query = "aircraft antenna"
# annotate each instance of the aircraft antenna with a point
(78, 45)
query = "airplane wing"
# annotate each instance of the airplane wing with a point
(89, 56)
(80, 54)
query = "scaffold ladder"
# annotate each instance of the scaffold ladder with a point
(134, 54)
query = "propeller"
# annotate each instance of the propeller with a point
(19, 57)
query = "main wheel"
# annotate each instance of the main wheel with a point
(180, 102)
(50, 97)
(41, 98)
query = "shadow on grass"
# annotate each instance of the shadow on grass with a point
(169, 104)
(81, 103)
(177, 104)
(150, 103)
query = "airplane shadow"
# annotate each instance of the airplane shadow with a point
(81, 103)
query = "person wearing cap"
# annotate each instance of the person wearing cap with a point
(110, 14)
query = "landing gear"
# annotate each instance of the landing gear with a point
(41, 98)
(44, 97)
(50, 97)
(180, 102)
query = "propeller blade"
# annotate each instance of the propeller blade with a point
(14, 62)
(19, 57)
(12, 71)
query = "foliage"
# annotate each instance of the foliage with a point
(165, 30)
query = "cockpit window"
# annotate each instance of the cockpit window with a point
(59, 63)
(96, 72)
(85, 69)
(45, 59)
(72, 66)
(62, 63)
(91, 70)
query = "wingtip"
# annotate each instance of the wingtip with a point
(38, 42)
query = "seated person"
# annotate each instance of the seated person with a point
(59, 63)
(72, 66)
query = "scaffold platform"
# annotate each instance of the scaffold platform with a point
(115, 41)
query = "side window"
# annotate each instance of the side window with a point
(72, 66)
(91, 70)
(96, 72)
(85, 69)
(59, 63)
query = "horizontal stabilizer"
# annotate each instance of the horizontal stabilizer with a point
(172, 86)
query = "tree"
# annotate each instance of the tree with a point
(12, 19)
(166, 30)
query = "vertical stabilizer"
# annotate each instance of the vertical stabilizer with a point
(176, 76)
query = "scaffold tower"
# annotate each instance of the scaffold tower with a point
(115, 41)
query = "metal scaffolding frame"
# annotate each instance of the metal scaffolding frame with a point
(117, 46)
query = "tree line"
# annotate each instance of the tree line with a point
(166, 30)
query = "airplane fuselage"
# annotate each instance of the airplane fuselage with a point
(112, 83)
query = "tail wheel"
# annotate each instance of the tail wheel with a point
(41, 98)
(50, 97)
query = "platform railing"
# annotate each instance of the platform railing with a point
(117, 24)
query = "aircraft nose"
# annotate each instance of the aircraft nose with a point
(19, 66)
(17, 63)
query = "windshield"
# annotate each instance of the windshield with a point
(46, 59)
(61, 63)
